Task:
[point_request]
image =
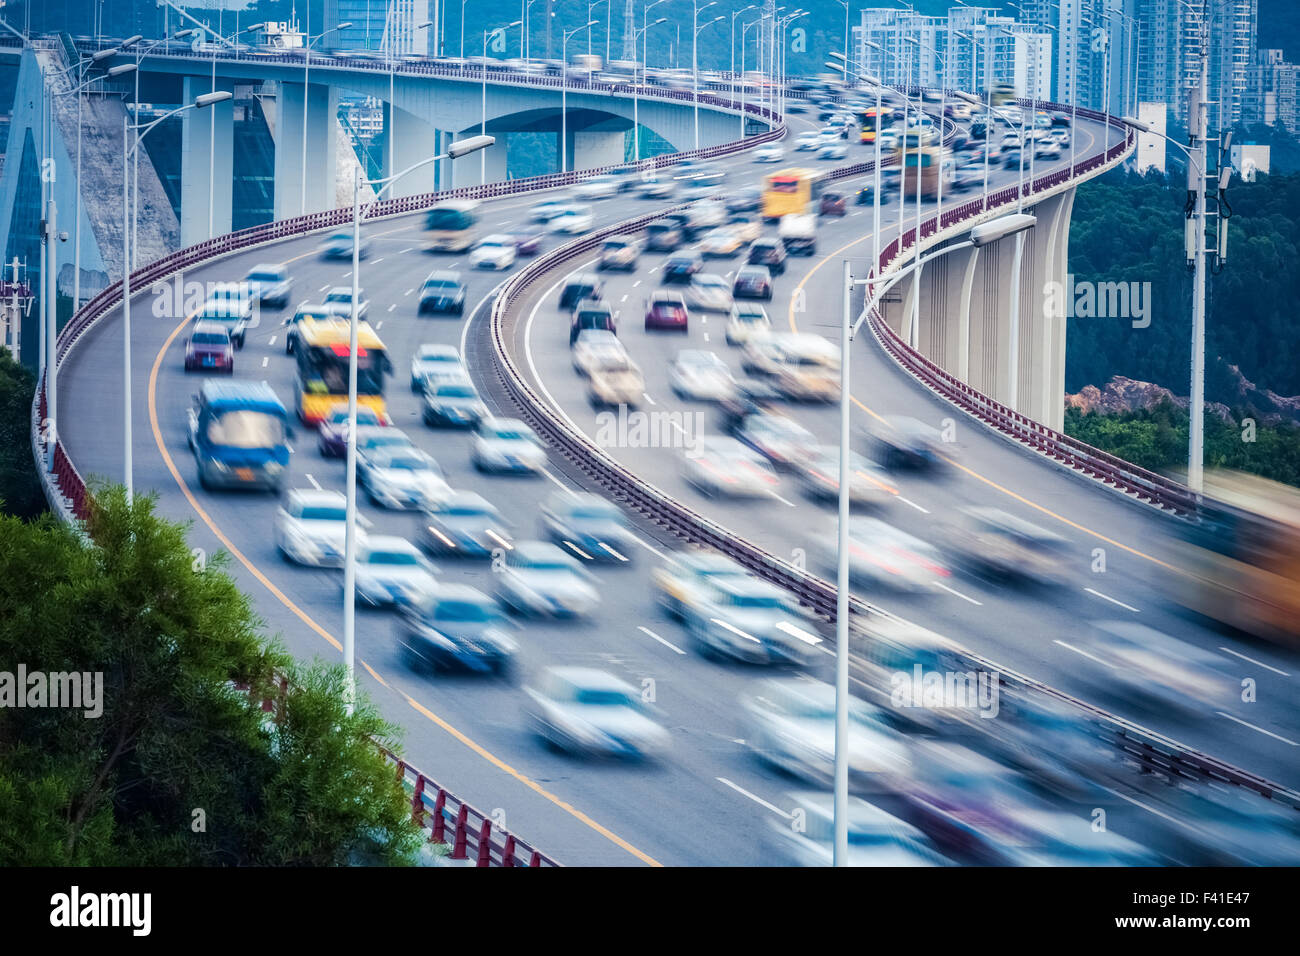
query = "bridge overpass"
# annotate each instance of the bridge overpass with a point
(709, 802)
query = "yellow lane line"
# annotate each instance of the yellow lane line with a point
(307, 619)
(974, 474)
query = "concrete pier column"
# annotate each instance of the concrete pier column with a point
(415, 140)
(597, 148)
(322, 118)
(207, 163)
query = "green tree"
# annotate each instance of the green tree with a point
(20, 486)
(182, 767)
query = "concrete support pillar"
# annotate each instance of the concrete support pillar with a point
(489, 166)
(415, 140)
(207, 163)
(592, 148)
(1039, 396)
(322, 157)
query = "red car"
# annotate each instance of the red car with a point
(667, 310)
(209, 347)
(833, 204)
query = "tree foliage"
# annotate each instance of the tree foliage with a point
(182, 767)
(20, 486)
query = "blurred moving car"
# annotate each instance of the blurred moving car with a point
(208, 346)
(402, 478)
(655, 188)
(876, 838)
(722, 243)
(746, 321)
(339, 246)
(819, 474)
(432, 363)
(750, 620)
(709, 293)
(228, 305)
(619, 252)
(597, 348)
(904, 442)
(833, 204)
(616, 383)
(770, 252)
(723, 466)
(507, 445)
(572, 220)
(332, 432)
(579, 286)
(339, 301)
(1157, 671)
(664, 235)
(752, 282)
(539, 580)
(496, 251)
(527, 240)
(747, 229)
(442, 292)
(791, 726)
(310, 527)
(375, 438)
(581, 710)
(777, 354)
(588, 525)
(392, 572)
(452, 404)
(464, 524)
(881, 555)
(456, 626)
(778, 438)
(681, 267)
(667, 310)
(548, 209)
(684, 576)
(591, 315)
(996, 543)
(701, 375)
(597, 187)
(747, 199)
(769, 153)
(269, 285)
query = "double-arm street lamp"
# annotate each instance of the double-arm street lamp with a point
(129, 150)
(636, 87)
(695, 63)
(752, 6)
(564, 92)
(981, 235)
(456, 150)
(306, 97)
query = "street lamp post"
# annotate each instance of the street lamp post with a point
(564, 93)
(744, 84)
(733, 60)
(212, 125)
(454, 151)
(636, 89)
(979, 236)
(695, 66)
(141, 130)
(528, 22)
(482, 129)
(592, 5)
(306, 95)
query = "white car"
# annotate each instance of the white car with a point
(507, 444)
(392, 572)
(709, 293)
(819, 473)
(493, 252)
(655, 188)
(548, 209)
(596, 349)
(597, 187)
(701, 375)
(723, 466)
(881, 555)
(402, 478)
(778, 438)
(572, 220)
(434, 362)
(807, 140)
(792, 726)
(747, 320)
(540, 580)
(311, 527)
(339, 301)
(749, 620)
(584, 710)
(876, 837)
(375, 438)
(831, 151)
(769, 153)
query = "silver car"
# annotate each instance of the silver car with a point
(540, 580)
(582, 710)
(402, 478)
(311, 527)
(589, 526)
(709, 293)
(791, 725)
(701, 375)
(507, 445)
(339, 301)
(748, 619)
(392, 572)
(270, 285)
(876, 838)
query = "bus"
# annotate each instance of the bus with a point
(790, 191)
(238, 432)
(1242, 557)
(869, 120)
(930, 164)
(321, 350)
(1002, 94)
(452, 225)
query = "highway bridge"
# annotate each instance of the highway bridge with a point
(709, 801)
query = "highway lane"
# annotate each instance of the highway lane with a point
(1044, 633)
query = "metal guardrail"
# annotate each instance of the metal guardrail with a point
(1154, 753)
